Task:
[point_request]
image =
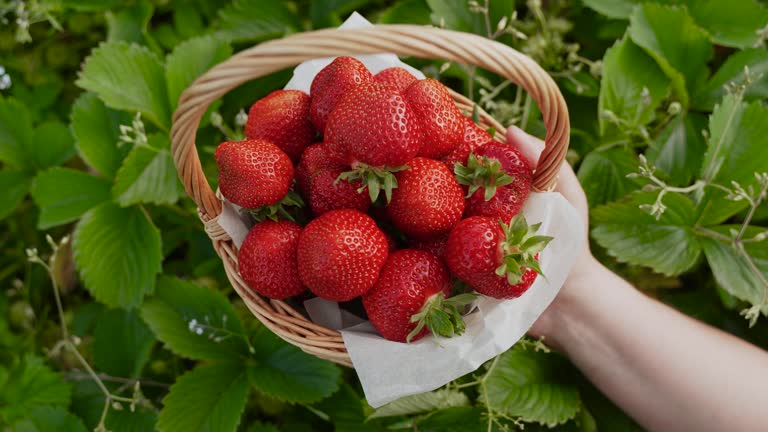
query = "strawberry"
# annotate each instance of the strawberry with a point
(428, 201)
(473, 137)
(282, 118)
(439, 117)
(499, 181)
(435, 245)
(495, 259)
(409, 299)
(340, 254)
(331, 83)
(327, 192)
(313, 158)
(374, 131)
(267, 259)
(395, 77)
(253, 173)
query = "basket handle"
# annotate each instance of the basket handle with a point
(404, 40)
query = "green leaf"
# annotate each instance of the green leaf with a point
(679, 149)
(419, 403)
(187, 21)
(321, 9)
(245, 20)
(15, 133)
(129, 24)
(31, 384)
(191, 59)
(147, 176)
(459, 419)
(91, 5)
(731, 269)
(210, 398)
(128, 77)
(733, 23)
(96, 131)
(287, 373)
(632, 86)
(47, 418)
(51, 145)
(532, 385)
(603, 175)
(407, 12)
(667, 245)
(732, 71)
(122, 343)
(346, 412)
(614, 8)
(15, 185)
(679, 46)
(118, 253)
(456, 15)
(140, 420)
(194, 322)
(64, 195)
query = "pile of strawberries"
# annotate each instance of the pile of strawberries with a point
(449, 208)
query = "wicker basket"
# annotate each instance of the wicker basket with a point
(274, 55)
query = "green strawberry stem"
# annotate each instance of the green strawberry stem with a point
(281, 209)
(374, 179)
(441, 315)
(520, 246)
(482, 172)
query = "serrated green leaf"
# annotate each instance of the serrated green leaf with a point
(346, 412)
(245, 20)
(140, 420)
(51, 145)
(459, 419)
(321, 9)
(680, 47)
(190, 319)
(128, 77)
(732, 71)
(129, 24)
(64, 195)
(603, 175)
(187, 21)
(210, 398)
(734, 23)
(191, 59)
(679, 149)
(47, 418)
(31, 384)
(147, 176)
(15, 185)
(667, 245)
(730, 267)
(96, 131)
(614, 8)
(419, 403)
(534, 386)
(456, 15)
(632, 86)
(15, 133)
(122, 343)
(118, 253)
(287, 373)
(407, 12)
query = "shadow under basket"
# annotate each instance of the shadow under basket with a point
(404, 40)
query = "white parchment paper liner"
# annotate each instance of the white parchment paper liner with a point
(391, 370)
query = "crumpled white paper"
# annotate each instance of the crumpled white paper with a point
(391, 370)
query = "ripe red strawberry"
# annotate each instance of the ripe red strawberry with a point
(428, 200)
(499, 181)
(409, 299)
(340, 254)
(267, 259)
(327, 192)
(395, 77)
(473, 138)
(282, 118)
(253, 173)
(439, 117)
(435, 246)
(495, 259)
(331, 83)
(313, 158)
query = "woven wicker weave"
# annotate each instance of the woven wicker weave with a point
(274, 55)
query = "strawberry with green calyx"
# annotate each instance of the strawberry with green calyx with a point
(333, 82)
(314, 158)
(428, 202)
(409, 299)
(326, 192)
(373, 179)
(483, 173)
(267, 259)
(253, 173)
(440, 119)
(282, 210)
(340, 254)
(473, 137)
(282, 118)
(495, 259)
(395, 77)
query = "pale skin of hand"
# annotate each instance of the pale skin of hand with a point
(663, 368)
